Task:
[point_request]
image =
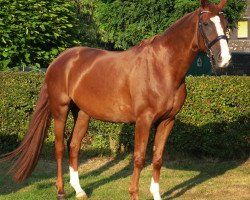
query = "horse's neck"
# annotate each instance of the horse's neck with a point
(179, 45)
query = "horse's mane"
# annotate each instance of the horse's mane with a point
(149, 41)
(177, 23)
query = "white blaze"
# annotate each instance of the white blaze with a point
(155, 190)
(225, 55)
(75, 183)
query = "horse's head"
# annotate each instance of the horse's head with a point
(211, 33)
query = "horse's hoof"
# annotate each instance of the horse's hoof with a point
(135, 197)
(61, 197)
(81, 196)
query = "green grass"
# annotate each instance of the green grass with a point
(109, 179)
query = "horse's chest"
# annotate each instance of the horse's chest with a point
(171, 104)
(164, 107)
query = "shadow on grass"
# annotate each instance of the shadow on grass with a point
(227, 140)
(210, 170)
(47, 170)
(126, 171)
(205, 173)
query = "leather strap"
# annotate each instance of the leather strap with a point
(216, 40)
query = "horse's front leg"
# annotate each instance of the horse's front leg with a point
(142, 129)
(161, 136)
(80, 128)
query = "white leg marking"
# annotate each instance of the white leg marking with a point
(75, 183)
(225, 55)
(155, 190)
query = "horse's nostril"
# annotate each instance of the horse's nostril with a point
(219, 57)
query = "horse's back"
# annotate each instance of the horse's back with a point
(99, 85)
(96, 80)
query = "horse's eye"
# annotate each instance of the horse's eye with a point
(205, 23)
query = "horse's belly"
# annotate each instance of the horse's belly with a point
(115, 113)
(103, 93)
(105, 107)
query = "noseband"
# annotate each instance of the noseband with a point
(208, 44)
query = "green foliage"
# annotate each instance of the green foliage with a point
(213, 122)
(18, 93)
(34, 32)
(234, 11)
(125, 23)
(88, 32)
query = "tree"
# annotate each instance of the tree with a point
(88, 32)
(33, 32)
(125, 23)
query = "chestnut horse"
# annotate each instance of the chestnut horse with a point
(144, 85)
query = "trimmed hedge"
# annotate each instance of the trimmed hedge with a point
(214, 122)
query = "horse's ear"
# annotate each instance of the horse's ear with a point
(222, 4)
(204, 3)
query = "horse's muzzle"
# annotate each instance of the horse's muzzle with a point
(222, 61)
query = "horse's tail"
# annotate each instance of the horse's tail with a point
(27, 154)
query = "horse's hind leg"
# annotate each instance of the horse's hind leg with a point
(60, 116)
(74, 110)
(80, 128)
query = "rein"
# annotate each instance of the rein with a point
(208, 44)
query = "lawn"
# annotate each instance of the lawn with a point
(109, 178)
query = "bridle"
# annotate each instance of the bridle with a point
(208, 44)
